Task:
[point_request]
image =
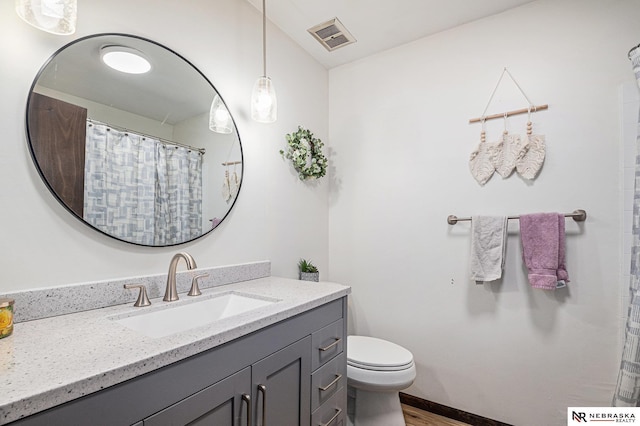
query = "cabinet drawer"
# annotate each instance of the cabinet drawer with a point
(327, 343)
(328, 380)
(333, 412)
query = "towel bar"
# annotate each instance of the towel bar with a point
(577, 215)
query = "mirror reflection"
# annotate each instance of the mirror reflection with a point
(133, 140)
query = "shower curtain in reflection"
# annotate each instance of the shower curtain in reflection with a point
(140, 190)
(627, 393)
(178, 201)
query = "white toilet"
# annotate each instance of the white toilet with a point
(377, 370)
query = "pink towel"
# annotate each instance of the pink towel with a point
(543, 250)
(563, 276)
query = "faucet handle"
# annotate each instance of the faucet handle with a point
(143, 300)
(195, 290)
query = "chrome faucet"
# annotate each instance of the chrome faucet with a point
(171, 294)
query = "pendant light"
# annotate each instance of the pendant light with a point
(264, 104)
(52, 16)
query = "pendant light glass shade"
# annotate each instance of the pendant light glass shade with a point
(219, 118)
(264, 104)
(52, 16)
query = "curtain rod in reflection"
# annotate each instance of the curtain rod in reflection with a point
(164, 141)
(577, 215)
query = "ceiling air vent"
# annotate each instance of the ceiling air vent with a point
(332, 34)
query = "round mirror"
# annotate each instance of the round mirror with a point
(134, 140)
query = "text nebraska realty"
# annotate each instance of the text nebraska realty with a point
(604, 417)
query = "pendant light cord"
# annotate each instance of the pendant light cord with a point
(264, 37)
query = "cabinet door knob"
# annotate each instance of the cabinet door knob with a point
(263, 389)
(246, 398)
(335, 416)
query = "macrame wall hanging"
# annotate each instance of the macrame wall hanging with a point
(231, 182)
(510, 152)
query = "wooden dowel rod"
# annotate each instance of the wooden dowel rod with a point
(510, 113)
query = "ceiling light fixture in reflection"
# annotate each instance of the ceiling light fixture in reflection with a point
(125, 59)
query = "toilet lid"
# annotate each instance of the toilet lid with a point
(371, 353)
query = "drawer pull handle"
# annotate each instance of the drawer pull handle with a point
(246, 398)
(335, 416)
(325, 388)
(263, 390)
(326, 348)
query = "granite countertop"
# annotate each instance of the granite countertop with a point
(50, 361)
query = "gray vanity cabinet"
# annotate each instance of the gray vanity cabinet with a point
(278, 373)
(280, 394)
(226, 403)
(329, 376)
(281, 386)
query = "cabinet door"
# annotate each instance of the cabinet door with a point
(282, 386)
(58, 132)
(224, 403)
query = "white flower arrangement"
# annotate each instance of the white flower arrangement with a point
(305, 153)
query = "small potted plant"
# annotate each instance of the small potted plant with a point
(308, 271)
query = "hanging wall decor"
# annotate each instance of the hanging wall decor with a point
(507, 152)
(511, 152)
(230, 182)
(530, 163)
(480, 163)
(305, 153)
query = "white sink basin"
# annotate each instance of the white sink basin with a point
(170, 319)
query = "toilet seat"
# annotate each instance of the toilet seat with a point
(380, 368)
(370, 353)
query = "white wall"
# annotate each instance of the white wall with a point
(113, 116)
(276, 216)
(400, 143)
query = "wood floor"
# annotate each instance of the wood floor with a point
(416, 417)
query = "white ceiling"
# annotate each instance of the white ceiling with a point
(172, 92)
(377, 25)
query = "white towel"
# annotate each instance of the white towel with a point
(488, 247)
